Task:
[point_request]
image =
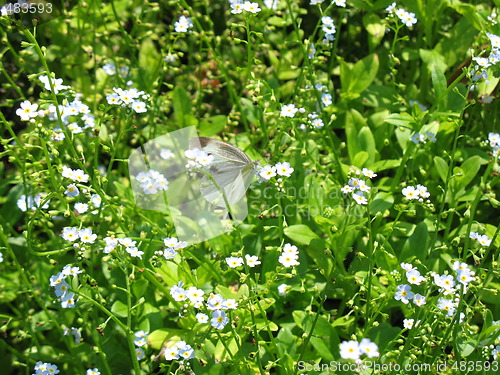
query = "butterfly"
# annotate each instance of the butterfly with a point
(231, 172)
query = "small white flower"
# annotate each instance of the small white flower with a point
(251, 7)
(419, 300)
(414, 277)
(404, 293)
(202, 318)
(183, 25)
(410, 193)
(70, 233)
(283, 289)
(234, 262)
(81, 208)
(219, 319)
(408, 323)
(252, 260)
(288, 110)
(369, 348)
(284, 169)
(349, 350)
(267, 172)
(27, 110)
(360, 198)
(72, 191)
(86, 236)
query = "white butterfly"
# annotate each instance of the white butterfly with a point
(231, 172)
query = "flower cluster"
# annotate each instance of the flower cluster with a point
(314, 120)
(32, 202)
(408, 18)
(328, 28)
(483, 239)
(128, 98)
(76, 175)
(110, 70)
(238, 6)
(75, 116)
(326, 97)
(151, 182)
(354, 350)
(95, 200)
(446, 285)
(282, 169)
(73, 191)
(130, 246)
(289, 256)
(73, 234)
(56, 83)
(481, 64)
(495, 352)
(423, 138)
(215, 303)
(172, 246)
(180, 350)
(418, 192)
(183, 25)
(250, 260)
(198, 159)
(75, 332)
(58, 282)
(45, 368)
(494, 140)
(358, 187)
(140, 341)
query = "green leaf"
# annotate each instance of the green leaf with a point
(400, 119)
(286, 342)
(442, 167)
(366, 142)
(119, 309)
(316, 251)
(321, 347)
(276, 21)
(212, 126)
(468, 171)
(417, 245)
(433, 60)
(465, 346)
(382, 165)
(169, 336)
(139, 287)
(251, 111)
(375, 28)
(354, 122)
(149, 60)
(381, 202)
(439, 84)
(356, 79)
(182, 105)
(360, 159)
(301, 234)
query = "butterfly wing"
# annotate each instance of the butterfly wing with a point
(232, 171)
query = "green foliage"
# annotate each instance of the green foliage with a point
(391, 135)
